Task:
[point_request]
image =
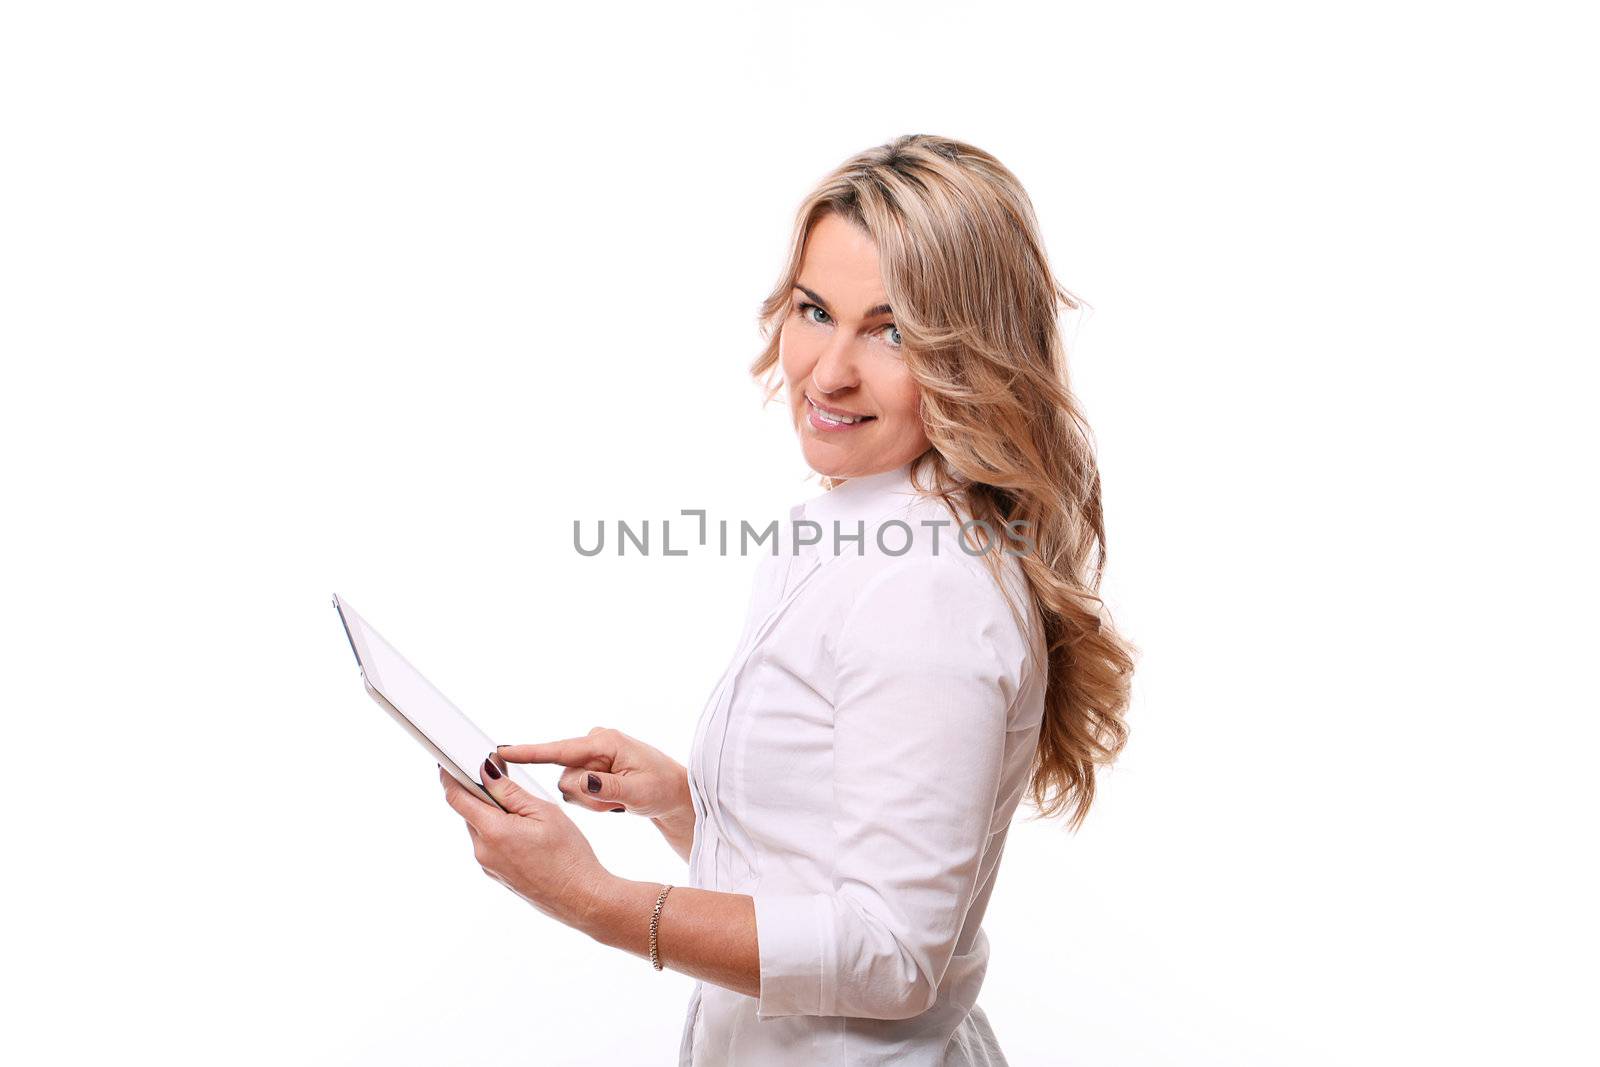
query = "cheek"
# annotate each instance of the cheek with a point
(908, 409)
(907, 398)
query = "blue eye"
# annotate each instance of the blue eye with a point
(805, 310)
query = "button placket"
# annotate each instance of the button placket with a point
(792, 589)
(700, 791)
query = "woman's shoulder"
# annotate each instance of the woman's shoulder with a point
(941, 594)
(924, 541)
(929, 616)
(951, 585)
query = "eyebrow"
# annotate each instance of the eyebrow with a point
(881, 309)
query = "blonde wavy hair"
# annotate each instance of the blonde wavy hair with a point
(977, 307)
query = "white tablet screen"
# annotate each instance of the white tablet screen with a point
(416, 698)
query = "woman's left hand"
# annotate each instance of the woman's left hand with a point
(532, 848)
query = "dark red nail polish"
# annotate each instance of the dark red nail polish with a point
(593, 783)
(490, 769)
(619, 809)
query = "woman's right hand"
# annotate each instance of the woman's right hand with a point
(606, 770)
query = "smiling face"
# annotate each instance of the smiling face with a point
(842, 360)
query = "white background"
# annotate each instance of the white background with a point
(378, 298)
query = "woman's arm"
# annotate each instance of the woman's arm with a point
(534, 849)
(702, 933)
(928, 666)
(678, 828)
(607, 768)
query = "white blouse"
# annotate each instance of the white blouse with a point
(855, 771)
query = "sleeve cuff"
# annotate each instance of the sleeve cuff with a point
(792, 937)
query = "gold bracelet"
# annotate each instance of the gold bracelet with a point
(655, 925)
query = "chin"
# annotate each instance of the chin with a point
(835, 462)
(826, 461)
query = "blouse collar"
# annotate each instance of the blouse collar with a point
(864, 498)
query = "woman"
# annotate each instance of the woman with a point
(924, 646)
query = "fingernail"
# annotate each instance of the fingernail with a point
(490, 769)
(593, 783)
(619, 809)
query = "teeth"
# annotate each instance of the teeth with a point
(837, 421)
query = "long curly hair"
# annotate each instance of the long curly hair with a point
(977, 307)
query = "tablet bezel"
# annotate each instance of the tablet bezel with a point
(471, 784)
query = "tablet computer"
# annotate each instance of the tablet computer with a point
(412, 701)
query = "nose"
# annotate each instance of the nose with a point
(835, 368)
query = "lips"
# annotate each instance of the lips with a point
(837, 416)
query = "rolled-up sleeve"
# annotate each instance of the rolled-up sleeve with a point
(928, 662)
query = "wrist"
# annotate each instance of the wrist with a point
(619, 916)
(681, 818)
(593, 904)
(679, 823)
